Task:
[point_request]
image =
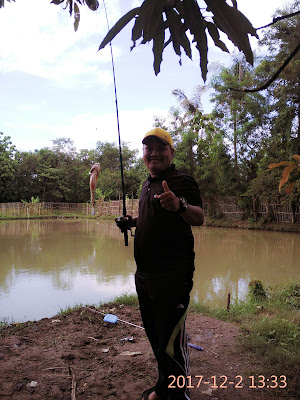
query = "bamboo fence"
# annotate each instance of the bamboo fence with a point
(228, 206)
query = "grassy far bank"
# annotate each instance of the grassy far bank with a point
(215, 222)
(270, 327)
(256, 225)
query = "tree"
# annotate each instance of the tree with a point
(199, 147)
(242, 116)
(7, 168)
(281, 39)
(26, 177)
(64, 148)
(187, 134)
(284, 96)
(107, 154)
(51, 184)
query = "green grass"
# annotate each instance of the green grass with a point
(238, 312)
(69, 309)
(275, 342)
(5, 322)
(270, 322)
(127, 300)
(54, 215)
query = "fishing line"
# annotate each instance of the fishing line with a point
(118, 124)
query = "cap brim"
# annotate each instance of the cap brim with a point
(145, 140)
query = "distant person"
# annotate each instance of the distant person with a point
(169, 204)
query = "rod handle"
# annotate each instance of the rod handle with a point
(126, 237)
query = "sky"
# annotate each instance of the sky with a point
(54, 82)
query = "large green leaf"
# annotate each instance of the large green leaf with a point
(231, 21)
(92, 4)
(147, 22)
(158, 46)
(119, 26)
(214, 33)
(196, 25)
(76, 16)
(153, 18)
(183, 15)
(184, 41)
(57, 2)
(174, 22)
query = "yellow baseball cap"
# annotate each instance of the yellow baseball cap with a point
(161, 134)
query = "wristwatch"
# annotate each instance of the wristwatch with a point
(183, 205)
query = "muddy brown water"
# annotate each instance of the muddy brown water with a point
(47, 265)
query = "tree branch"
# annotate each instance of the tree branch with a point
(272, 79)
(279, 19)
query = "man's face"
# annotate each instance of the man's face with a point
(157, 156)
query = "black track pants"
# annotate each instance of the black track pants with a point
(163, 304)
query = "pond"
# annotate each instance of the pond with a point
(46, 265)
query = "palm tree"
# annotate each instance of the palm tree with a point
(191, 125)
(194, 103)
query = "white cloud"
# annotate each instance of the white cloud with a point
(28, 107)
(85, 130)
(40, 40)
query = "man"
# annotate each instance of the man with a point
(163, 249)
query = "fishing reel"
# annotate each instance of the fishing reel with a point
(123, 222)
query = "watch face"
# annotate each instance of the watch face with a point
(183, 204)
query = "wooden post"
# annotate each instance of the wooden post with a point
(293, 207)
(228, 301)
(254, 207)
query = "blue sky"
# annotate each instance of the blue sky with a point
(54, 83)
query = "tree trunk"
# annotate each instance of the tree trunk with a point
(298, 134)
(235, 141)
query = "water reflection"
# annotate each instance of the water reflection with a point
(48, 264)
(228, 259)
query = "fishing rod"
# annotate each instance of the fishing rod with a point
(119, 220)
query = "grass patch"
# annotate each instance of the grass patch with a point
(127, 300)
(238, 312)
(68, 310)
(54, 215)
(275, 341)
(270, 321)
(5, 323)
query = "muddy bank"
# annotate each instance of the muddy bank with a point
(79, 356)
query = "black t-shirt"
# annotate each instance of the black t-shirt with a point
(163, 240)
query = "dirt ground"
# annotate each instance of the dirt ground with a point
(78, 356)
